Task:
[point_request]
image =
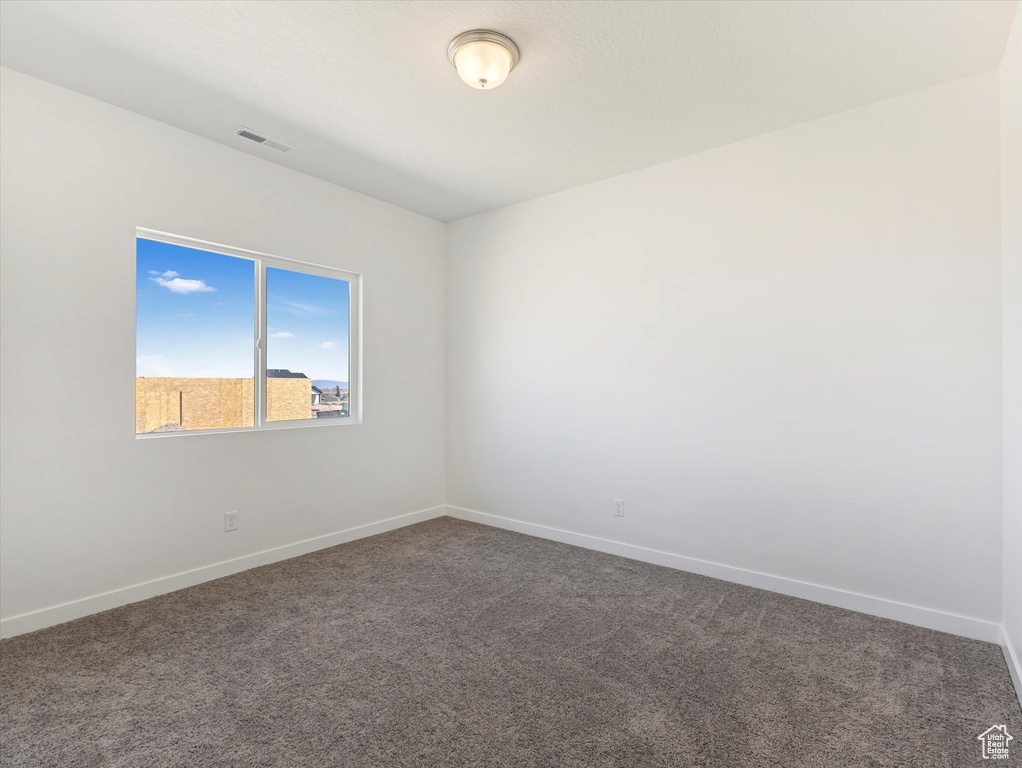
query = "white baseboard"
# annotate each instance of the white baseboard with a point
(1014, 665)
(76, 609)
(964, 626)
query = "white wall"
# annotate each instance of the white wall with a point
(1011, 244)
(784, 354)
(86, 507)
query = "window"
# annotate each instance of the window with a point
(232, 339)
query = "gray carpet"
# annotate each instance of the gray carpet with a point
(454, 644)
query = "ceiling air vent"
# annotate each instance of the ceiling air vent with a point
(280, 146)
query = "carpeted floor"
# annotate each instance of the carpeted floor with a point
(454, 644)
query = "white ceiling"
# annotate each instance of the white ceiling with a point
(364, 90)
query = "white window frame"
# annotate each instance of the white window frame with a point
(261, 261)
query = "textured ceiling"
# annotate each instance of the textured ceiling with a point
(365, 93)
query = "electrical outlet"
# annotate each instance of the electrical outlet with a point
(619, 507)
(231, 521)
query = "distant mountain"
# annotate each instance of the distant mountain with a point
(329, 383)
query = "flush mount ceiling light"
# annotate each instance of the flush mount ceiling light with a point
(483, 58)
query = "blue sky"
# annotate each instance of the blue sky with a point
(195, 316)
(307, 324)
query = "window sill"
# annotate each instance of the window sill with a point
(270, 427)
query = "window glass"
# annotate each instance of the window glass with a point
(307, 346)
(195, 336)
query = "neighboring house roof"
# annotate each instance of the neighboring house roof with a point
(331, 399)
(316, 389)
(283, 373)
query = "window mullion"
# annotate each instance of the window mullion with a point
(259, 412)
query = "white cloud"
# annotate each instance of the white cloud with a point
(301, 310)
(169, 274)
(282, 335)
(328, 345)
(180, 284)
(151, 365)
(157, 366)
(154, 271)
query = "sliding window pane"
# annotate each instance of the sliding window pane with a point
(194, 339)
(308, 334)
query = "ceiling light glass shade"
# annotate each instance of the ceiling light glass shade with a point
(483, 65)
(483, 58)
